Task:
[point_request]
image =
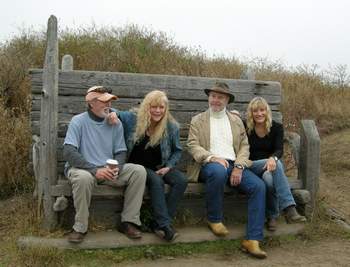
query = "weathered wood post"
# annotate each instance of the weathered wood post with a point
(248, 73)
(309, 161)
(67, 63)
(48, 124)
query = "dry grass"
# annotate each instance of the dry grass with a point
(335, 179)
(19, 217)
(15, 144)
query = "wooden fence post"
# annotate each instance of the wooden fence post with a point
(48, 124)
(67, 63)
(248, 73)
(309, 161)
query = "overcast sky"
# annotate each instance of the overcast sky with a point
(293, 31)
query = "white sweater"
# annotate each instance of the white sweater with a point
(221, 142)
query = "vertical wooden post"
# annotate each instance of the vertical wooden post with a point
(248, 73)
(67, 63)
(309, 161)
(48, 124)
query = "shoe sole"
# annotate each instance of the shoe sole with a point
(161, 234)
(75, 241)
(259, 256)
(271, 229)
(174, 237)
(129, 236)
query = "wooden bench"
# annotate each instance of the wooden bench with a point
(57, 95)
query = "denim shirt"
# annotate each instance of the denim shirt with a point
(170, 146)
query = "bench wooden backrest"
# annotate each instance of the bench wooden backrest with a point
(186, 96)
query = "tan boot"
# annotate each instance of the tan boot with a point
(218, 229)
(292, 216)
(252, 247)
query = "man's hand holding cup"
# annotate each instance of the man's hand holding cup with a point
(110, 172)
(113, 165)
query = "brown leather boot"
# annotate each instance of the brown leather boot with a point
(76, 237)
(252, 247)
(292, 216)
(130, 230)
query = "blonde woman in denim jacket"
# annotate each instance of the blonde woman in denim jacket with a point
(153, 140)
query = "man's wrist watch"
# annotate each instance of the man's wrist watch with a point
(275, 158)
(239, 166)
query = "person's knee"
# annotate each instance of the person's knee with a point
(215, 173)
(268, 180)
(83, 179)
(260, 186)
(257, 185)
(154, 180)
(134, 174)
(181, 180)
(139, 172)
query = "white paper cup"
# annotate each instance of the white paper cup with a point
(112, 163)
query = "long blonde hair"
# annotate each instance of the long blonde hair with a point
(255, 103)
(153, 98)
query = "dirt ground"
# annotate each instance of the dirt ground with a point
(319, 253)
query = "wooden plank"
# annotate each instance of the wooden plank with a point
(86, 79)
(64, 188)
(115, 240)
(48, 124)
(180, 116)
(77, 104)
(184, 118)
(175, 94)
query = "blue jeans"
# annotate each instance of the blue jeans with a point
(278, 194)
(215, 176)
(164, 208)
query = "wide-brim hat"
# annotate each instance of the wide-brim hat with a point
(100, 93)
(221, 87)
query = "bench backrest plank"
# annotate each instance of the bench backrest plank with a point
(185, 94)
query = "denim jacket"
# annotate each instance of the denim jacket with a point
(170, 146)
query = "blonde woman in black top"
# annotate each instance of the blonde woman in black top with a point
(266, 149)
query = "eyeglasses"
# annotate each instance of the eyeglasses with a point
(100, 89)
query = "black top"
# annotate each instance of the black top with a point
(149, 157)
(270, 145)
